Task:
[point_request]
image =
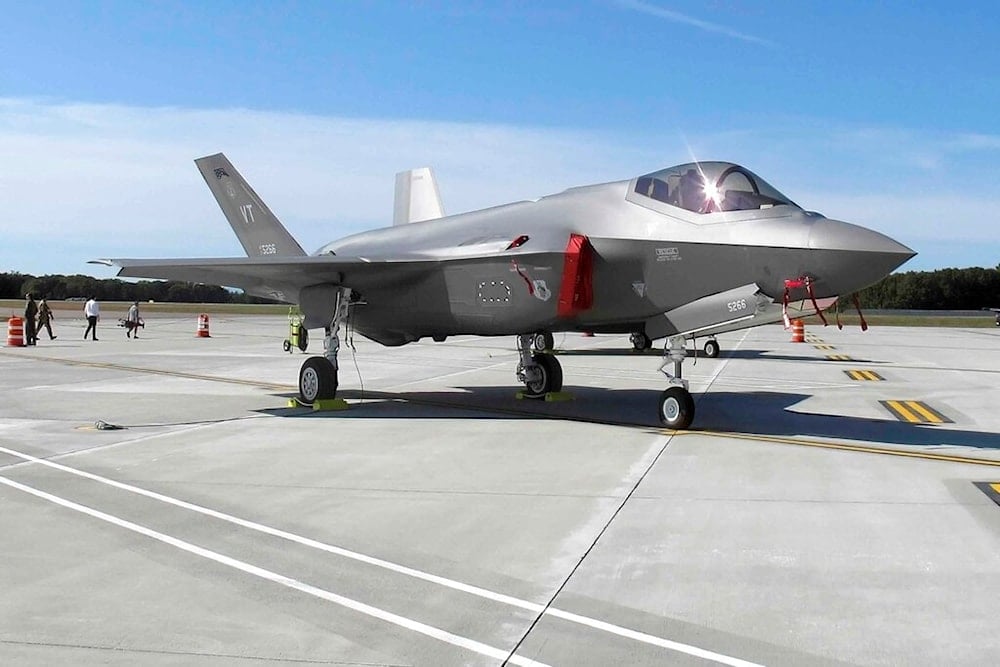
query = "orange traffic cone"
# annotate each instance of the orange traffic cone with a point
(203, 326)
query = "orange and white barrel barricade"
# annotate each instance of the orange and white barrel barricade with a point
(15, 332)
(798, 331)
(203, 326)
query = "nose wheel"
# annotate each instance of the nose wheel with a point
(676, 408)
(711, 348)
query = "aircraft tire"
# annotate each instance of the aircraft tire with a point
(542, 341)
(286, 345)
(551, 377)
(676, 408)
(712, 348)
(317, 380)
(640, 341)
(303, 339)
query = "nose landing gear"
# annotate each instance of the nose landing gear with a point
(676, 408)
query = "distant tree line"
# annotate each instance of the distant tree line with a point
(945, 289)
(16, 285)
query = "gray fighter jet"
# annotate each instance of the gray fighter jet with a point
(693, 250)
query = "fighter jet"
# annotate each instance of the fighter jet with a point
(692, 250)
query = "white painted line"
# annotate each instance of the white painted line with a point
(725, 363)
(401, 569)
(651, 639)
(122, 443)
(291, 537)
(288, 582)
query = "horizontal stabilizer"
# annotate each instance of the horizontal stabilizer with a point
(260, 232)
(417, 197)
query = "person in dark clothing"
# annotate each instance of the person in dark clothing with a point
(30, 315)
(45, 318)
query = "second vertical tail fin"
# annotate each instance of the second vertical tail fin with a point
(417, 197)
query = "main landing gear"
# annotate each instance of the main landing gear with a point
(676, 405)
(543, 341)
(640, 341)
(540, 372)
(318, 375)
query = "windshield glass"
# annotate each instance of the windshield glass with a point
(708, 187)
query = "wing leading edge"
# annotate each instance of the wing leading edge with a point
(280, 278)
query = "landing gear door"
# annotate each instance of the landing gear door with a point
(710, 312)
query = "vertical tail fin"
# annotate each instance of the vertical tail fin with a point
(256, 227)
(417, 197)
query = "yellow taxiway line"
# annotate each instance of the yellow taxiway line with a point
(823, 444)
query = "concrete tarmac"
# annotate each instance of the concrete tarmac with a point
(832, 504)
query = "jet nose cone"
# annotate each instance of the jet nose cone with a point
(856, 256)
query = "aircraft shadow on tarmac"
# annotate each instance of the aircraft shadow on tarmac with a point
(767, 355)
(726, 411)
(756, 413)
(725, 354)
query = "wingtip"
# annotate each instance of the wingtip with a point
(103, 262)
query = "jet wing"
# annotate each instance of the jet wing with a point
(275, 277)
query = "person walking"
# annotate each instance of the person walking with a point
(30, 315)
(93, 312)
(132, 321)
(45, 318)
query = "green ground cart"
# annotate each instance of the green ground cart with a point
(298, 335)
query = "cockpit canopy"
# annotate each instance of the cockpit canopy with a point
(709, 187)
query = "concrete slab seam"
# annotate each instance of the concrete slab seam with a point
(630, 634)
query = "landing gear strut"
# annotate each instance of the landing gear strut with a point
(318, 375)
(541, 372)
(676, 405)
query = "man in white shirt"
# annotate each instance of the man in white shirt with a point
(93, 312)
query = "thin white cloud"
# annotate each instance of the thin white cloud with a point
(80, 181)
(976, 142)
(91, 180)
(677, 17)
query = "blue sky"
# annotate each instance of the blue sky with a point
(885, 114)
